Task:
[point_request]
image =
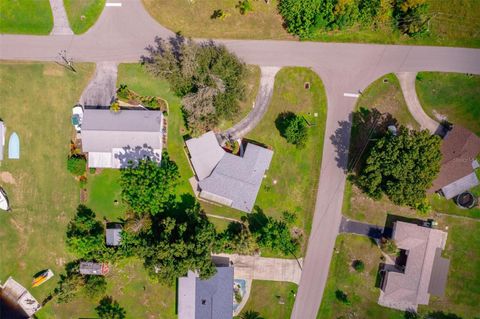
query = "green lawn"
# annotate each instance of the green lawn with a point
(387, 97)
(103, 190)
(83, 14)
(291, 182)
(453, 23)
(36, 103)
(463, 285)
(25, 16)
(455, 96)
(266, 298)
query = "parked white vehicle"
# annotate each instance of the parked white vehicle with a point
(77, 117)
(4, 200)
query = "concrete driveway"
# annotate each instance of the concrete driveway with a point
(261, 268)
(101, 90)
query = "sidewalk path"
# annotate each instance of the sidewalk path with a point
(60, 19)
(101, 90)
(261, 268)
(262, 101)
(407, 82)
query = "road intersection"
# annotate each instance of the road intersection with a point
(122, 33)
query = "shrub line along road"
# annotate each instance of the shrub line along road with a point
(122, 33)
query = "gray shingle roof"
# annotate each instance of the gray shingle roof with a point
(205, 153)
(2, 139)
(409, 289)
(113, 235)
(104, 130)
(206, 299)
(91, 268)
(461, 185)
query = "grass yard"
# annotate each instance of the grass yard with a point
(266, 298)
(36, 103)
(25, 16)
(359, 286)
(454, 96)
(83, 14)
(103, 190)
(453, 23)
(291, 183)
(463, 285)
(193, 19)
(387, 97)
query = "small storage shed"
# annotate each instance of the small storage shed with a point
(93, 268)
(113, 234)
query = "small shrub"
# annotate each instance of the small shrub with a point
(358, 265)
(342, 297)
(219, 14)
(115, 107)
(238, 296)
(123, 91)
(244, 6)
(82, 182)
(77, 165)
(92, 170)
(388, 246)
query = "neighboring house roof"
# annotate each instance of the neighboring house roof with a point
(17, 297)
(461, 185)
(459, 149)
(113, 234)
(206, 299)
(406, 290)
(2, 139)
(205, 153)
(113, 139)
(228, 179)
(92, 268)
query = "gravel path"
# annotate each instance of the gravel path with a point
(407, 82)
(60, 19)
(101, 90)
(262, 101)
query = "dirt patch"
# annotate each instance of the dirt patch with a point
(53, 70)
(7, 177)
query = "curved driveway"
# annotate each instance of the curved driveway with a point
(122, 33)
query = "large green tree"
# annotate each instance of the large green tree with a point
(148, 187)
(402, 167)
(209, 78)
(110, 309)
(85, 234)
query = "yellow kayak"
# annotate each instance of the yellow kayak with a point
(43, 277)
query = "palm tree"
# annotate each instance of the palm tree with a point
(250, 314)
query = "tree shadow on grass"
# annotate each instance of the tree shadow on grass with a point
(257, 219)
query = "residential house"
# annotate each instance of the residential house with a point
(206, 299)
(460, 147)
(93, 268)
(16, 302)
(423, 270)
(113, 139)
(225, 178)
(113, 234)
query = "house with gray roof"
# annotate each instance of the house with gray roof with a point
(113, 139)
(2, 139)
(225, 178)
(206, 299)
(423, 273)
(113, 234)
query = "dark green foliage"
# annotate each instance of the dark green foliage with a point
(244, 6)
(441, 315)
(342, 297)
(95, 286)
(304, 17)
(238, 239)
(250, 314)
(293, 128)
(85, 235)
(148, 187)
(358, 265)
(210, 79)
(411, 16)
(402, 167)
(110, 309)
(68, 287)
(77, 165)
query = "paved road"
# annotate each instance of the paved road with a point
(262, 101)
(121, 34)
(407, 83)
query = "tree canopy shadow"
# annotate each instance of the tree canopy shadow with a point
(257, 219)
(131, 155)
(283, 120)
